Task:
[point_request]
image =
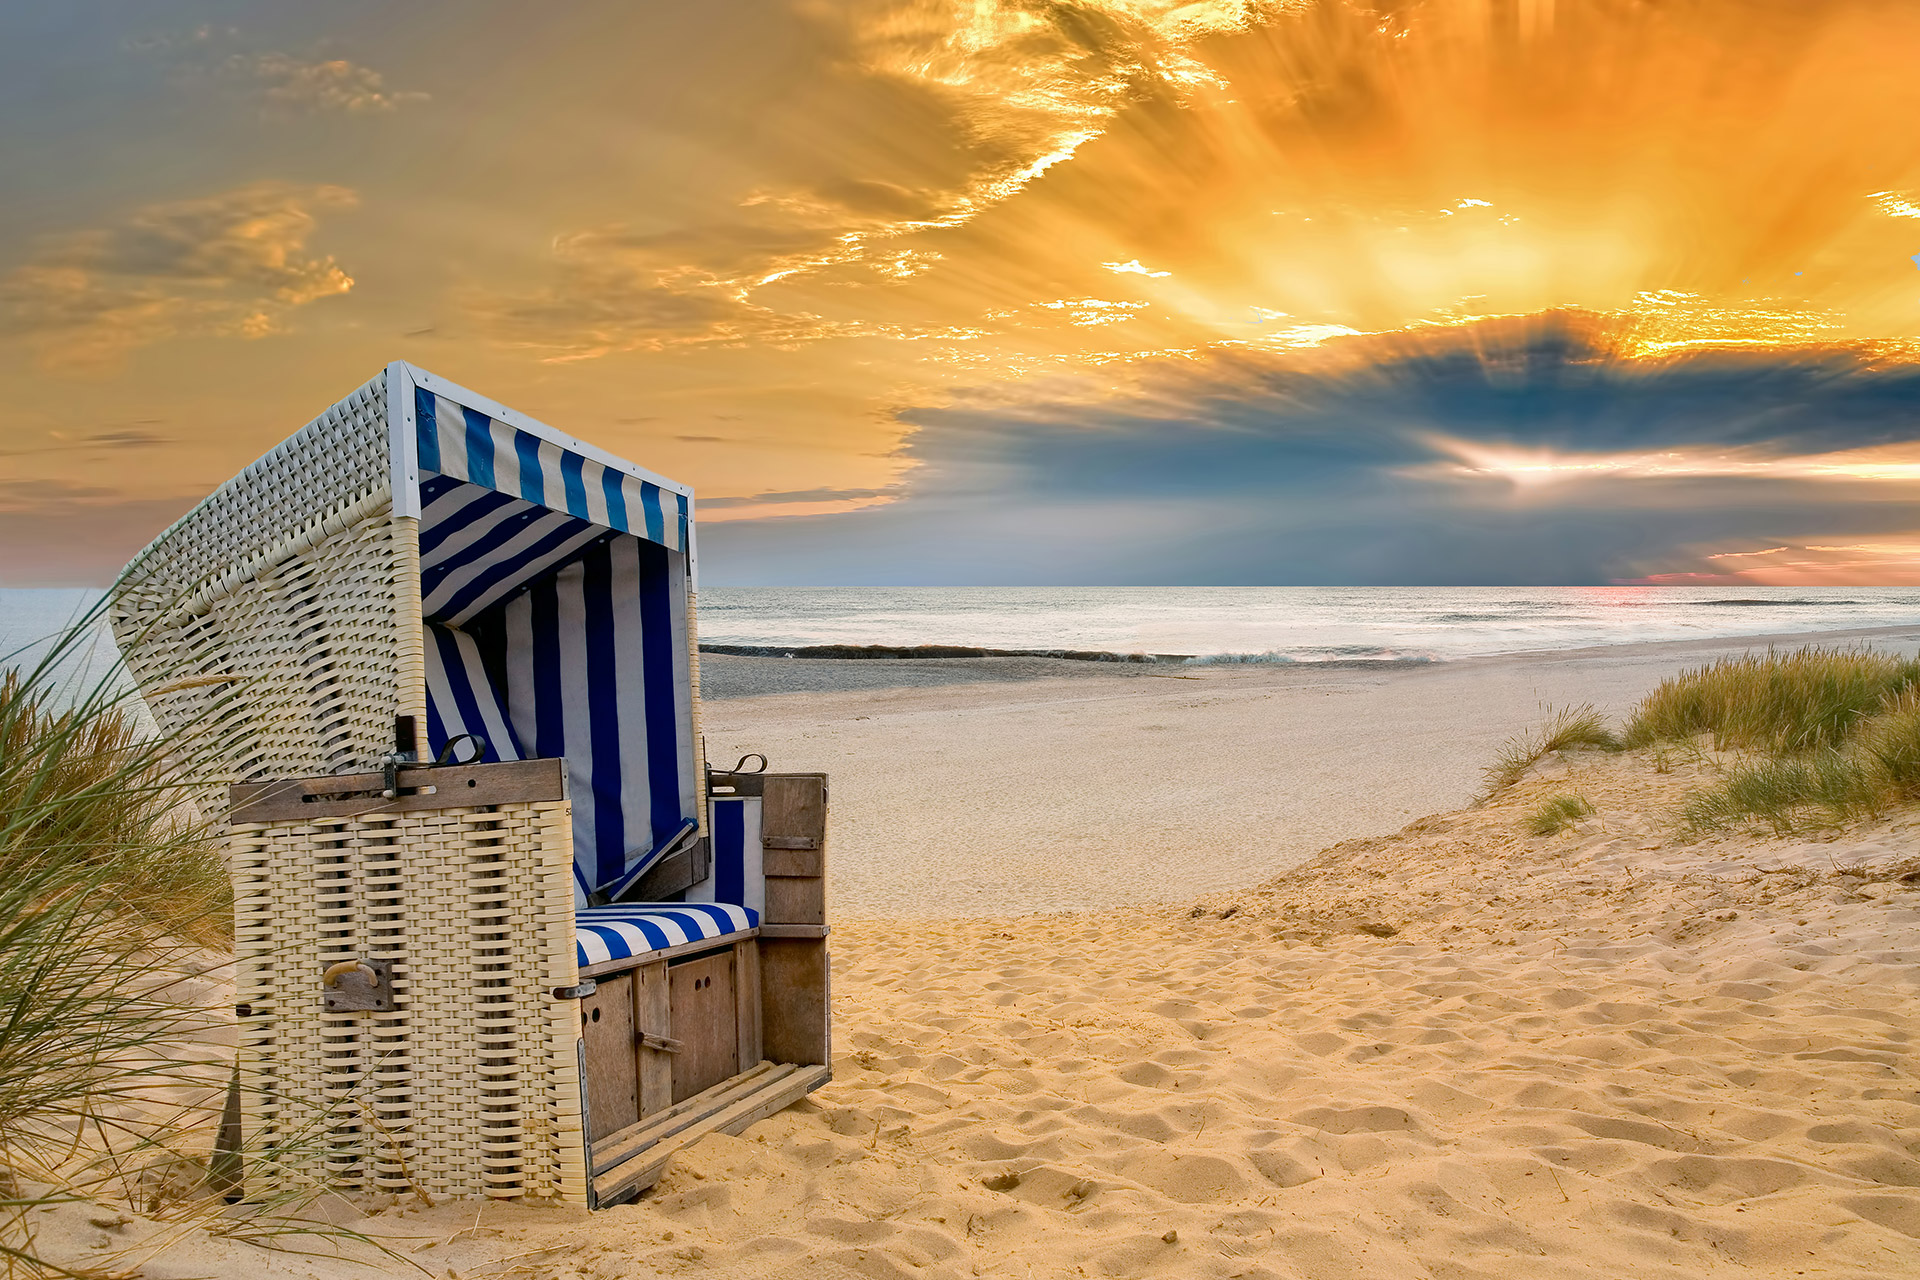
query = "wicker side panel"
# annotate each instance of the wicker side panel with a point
(470, 1087)
(322, 469)
(295, 671)
(266, 625)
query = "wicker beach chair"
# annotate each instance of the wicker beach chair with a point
(499, 931)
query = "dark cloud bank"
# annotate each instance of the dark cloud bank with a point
(1325, 468)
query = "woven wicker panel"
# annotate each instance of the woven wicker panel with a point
(471, 1086)
(269, 625)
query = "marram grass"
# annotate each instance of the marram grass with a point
(112, 899)
(1557, 813)
(1830, 736)
(1803, 700)
(1833, 735)
(109, 892)
(1565, 729)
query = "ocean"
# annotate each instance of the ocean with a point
(1285, 624)
(1218, 624)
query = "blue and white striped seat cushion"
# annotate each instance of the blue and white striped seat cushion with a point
(625, 930)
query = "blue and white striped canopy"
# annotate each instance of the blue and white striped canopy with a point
(465, 444)
(554, 589)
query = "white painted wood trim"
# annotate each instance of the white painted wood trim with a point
(403, 441)
(494, 409)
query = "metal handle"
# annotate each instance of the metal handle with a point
(331, 978)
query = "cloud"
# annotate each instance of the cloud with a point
(618, 289)
(230, 264)
(795, 496)
(1389, 458)
(1010, 88)
(79, 535)
(48, 496)
(332, 84)
(278, 81)
(128, 438)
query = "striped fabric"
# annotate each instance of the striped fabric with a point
(554, 589)
(465, 444)
(596, 671)
(461, 697)
(478, 547)
(623, 932)
(736, 873)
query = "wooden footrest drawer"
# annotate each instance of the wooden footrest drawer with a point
(633, 1159)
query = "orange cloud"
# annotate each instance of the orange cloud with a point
(230, 264)
(331, 84)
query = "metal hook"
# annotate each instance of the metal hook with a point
(741, 765)
(446, 756)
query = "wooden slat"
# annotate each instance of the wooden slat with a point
(794, 809)
(606, 1025)
(792, 862)
(775, 1095)
(794, 998)
(673, 874)
(706, 1022)
(794, 930)
(653, 1014)
(746, 989)
(795, 900)
(618, 1148)
(353, 794)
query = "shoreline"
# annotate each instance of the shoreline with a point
(991, 787)
(732, 671)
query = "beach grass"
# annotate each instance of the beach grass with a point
(1565, 729)
(1831, 735)
(109, 891)
(1798, 701)
(1557, 813)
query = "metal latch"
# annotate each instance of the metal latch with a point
(584, 988)
(358, 986)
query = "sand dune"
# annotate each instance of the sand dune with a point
(1455, 1052)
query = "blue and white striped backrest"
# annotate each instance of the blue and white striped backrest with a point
(554, 588)
(737, 874)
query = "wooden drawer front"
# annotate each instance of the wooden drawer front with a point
(613, 1082)
(706, 1023)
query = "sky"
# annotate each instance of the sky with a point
(1003, 291)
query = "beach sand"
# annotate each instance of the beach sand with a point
(997, 786)
(1451, 1051)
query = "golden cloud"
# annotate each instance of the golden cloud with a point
(332, 84)
(230, 264)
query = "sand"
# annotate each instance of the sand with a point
(1039, 786)
(1455, 1050)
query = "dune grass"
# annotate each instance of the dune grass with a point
(1833, 735)
(1565, 729)
(1557, 813)
(108, 889)
(1800, 701)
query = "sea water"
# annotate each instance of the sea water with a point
(1216, 624)
(1286, 624)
